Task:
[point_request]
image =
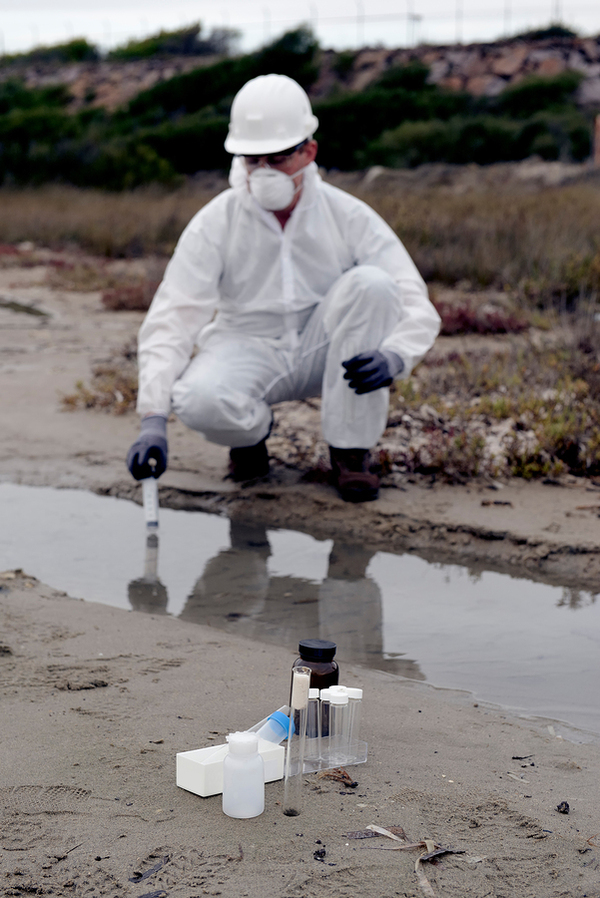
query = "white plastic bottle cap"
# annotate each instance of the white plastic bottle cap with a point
(313, 693)
(338, 690)
(355, 693)
(337, 698)
(324, 695)
(243, 743)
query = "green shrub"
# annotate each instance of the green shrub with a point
(191, 143)
(411, 77)
(538, 93)
(343, 63)
(182, 42)
(76, 50)
(554, 30)
(292, 55)
(347, 125)
(14, 95)
(482, 139)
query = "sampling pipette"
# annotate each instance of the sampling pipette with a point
(150, 500)
(292, 786)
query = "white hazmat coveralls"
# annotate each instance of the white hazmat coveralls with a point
(291, 305)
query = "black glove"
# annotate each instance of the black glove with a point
(371, 370)
(151, 443)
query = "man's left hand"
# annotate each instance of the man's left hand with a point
(372, 370)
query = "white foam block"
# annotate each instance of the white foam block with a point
(201, 771)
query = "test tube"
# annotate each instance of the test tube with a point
(150, 499)
(292, 786)
(338, 727)
(313, 727)
(324, 724)
(354, 713)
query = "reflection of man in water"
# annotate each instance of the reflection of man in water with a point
(235, 583)
(235, 592)
(350, 605)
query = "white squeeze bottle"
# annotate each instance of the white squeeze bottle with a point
(243, 777)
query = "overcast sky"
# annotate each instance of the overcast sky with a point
(337, 23)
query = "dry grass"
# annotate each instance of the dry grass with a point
(543, 243)
(133, 223)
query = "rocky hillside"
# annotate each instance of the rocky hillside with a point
(480, 69)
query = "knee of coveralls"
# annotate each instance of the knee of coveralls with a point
(364, 298)
(363, 307)
(221, 413)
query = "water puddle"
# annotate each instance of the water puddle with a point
(527, 646)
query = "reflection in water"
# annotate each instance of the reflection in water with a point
(236, 593)
(148, 593)
(575, 598)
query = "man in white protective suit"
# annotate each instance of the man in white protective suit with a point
(289, 288)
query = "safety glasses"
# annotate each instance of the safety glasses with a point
(274, 158)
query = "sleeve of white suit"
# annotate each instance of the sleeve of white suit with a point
(183, 304)
(374, 243)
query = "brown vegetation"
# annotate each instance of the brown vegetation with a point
(135, 223)
(540, 244)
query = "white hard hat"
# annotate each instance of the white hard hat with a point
(269, 114)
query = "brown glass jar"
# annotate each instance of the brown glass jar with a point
(318, 655)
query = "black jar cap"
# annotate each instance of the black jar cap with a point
(317, 649)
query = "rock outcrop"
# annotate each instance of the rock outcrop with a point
(104, 84)
(479, 69)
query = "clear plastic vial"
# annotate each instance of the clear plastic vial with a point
(243, 777)
(354, 714)
(338, 726)
(150, 500)
(324, 696)
(312, 751)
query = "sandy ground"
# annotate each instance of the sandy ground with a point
(97, 701)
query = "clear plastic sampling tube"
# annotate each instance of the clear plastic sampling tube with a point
(338, 728)
(354, 715)
(324, 724)
(313, 727)
(292, 786)
(150, 499)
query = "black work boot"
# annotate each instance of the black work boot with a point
(351, 476)
(249, 462)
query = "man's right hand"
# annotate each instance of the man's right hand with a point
(151, 444)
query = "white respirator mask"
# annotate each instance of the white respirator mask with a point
(273, 189)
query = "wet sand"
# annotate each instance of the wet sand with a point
(96, 702)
